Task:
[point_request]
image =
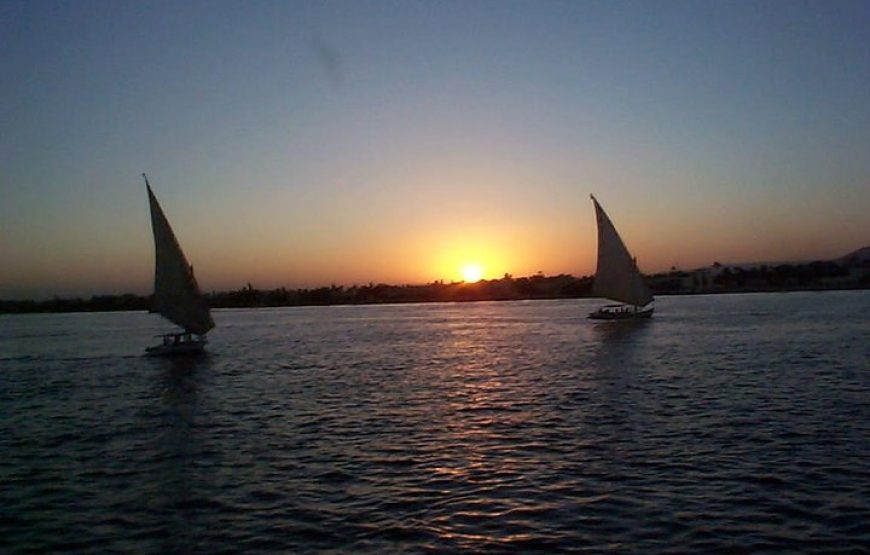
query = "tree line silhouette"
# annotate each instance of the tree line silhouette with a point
(718, 279)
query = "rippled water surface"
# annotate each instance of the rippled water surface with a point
(727, 424)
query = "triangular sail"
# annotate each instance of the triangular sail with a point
(617, 276)
(176, 294)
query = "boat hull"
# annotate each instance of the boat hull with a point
(177, 345)
(621, 313)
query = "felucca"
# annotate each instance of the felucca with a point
(617, 277)
(176, 294)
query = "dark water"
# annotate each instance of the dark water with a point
(727, 424)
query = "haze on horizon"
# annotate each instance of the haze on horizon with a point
(307, 143)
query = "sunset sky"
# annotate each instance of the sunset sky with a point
(308, 143)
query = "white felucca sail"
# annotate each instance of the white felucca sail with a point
(176, 294)
(617, 276)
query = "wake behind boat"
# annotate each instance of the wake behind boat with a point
(176, 294)
(617, 277)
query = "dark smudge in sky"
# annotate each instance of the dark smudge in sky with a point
(329, 59)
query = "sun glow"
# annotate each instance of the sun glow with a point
(470, 255)
(472, 273)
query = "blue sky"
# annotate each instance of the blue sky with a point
(305, 143)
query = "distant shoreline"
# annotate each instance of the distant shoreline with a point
(814, 276)
(72, 306)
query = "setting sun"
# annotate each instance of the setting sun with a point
(472, 273)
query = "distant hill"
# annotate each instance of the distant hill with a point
(860, 257)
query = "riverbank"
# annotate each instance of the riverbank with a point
(815, 276)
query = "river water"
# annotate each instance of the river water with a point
(726, 424)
